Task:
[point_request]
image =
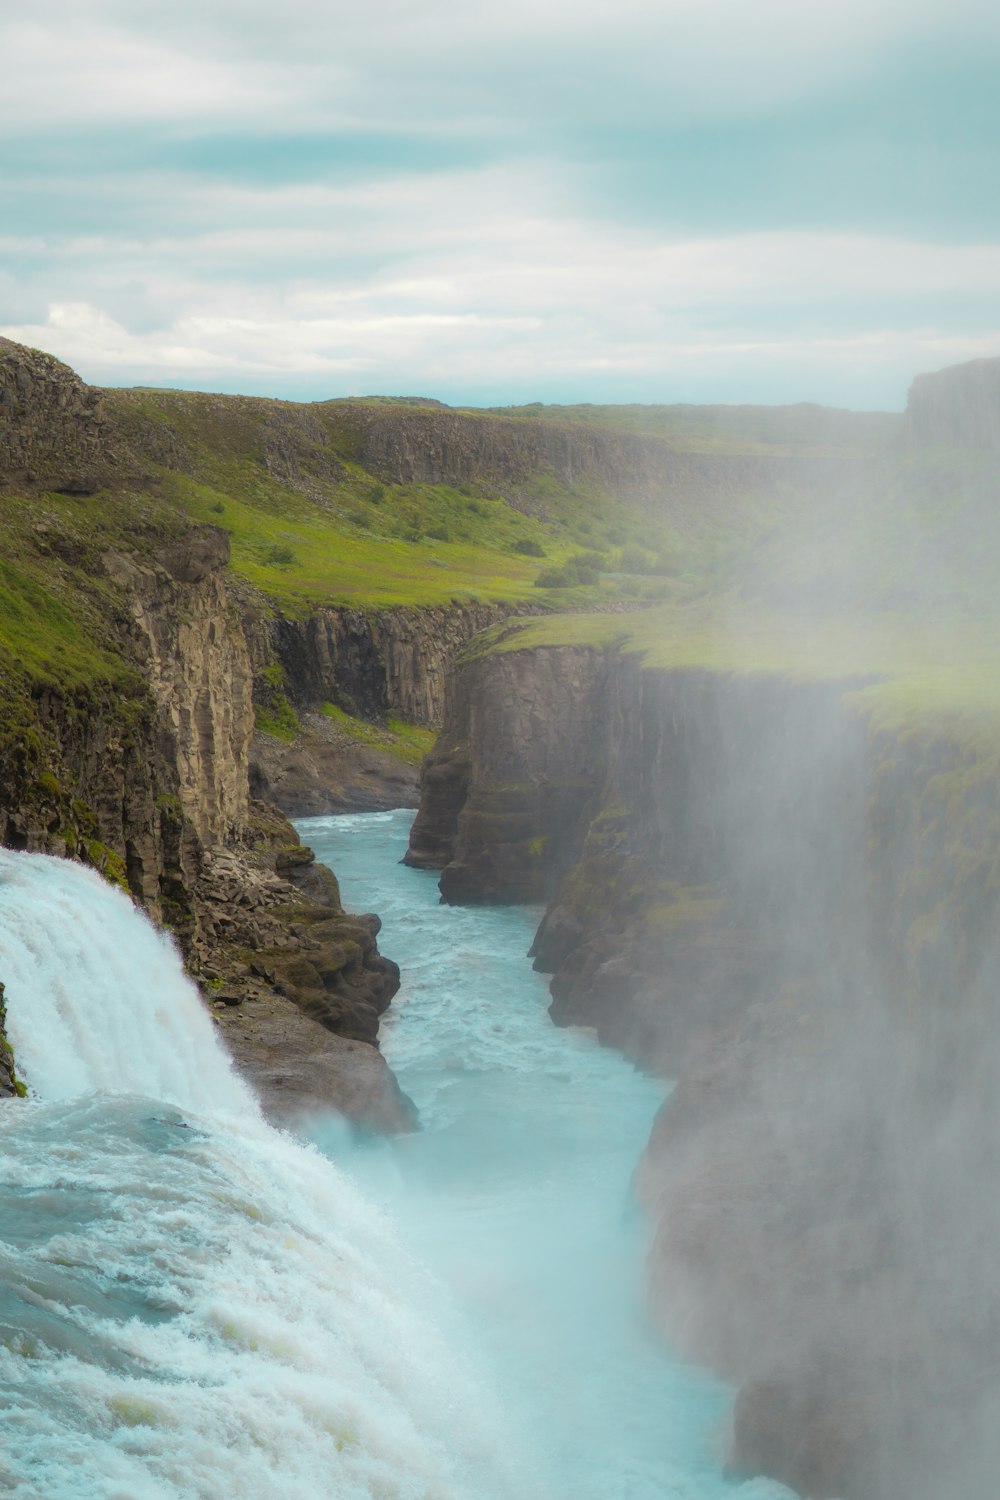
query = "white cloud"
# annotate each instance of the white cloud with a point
(419, 277)
(552, 302)
(327, 63)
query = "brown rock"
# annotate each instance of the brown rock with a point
(299, 1069)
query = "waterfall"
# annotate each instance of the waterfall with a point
(99, 1002)
(193, 1304)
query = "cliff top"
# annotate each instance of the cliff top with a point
(958, 406)
(381, 502)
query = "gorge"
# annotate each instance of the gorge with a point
(751, 776)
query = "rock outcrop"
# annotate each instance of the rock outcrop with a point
(505, 790)
(53, 429)
(10, 1088)
(957, 408)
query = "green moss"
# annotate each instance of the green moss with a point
(278, 718)
(407, 742)
(410, 742)
(108, 863)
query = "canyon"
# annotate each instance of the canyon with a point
(768, 859)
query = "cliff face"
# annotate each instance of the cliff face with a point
(375, 666)
(416, 445)
(53, 428)
(195, 659)
(792, 914)
(153, 789)
(150, 780)
(514, 770)
(958, 407)
(370, 663)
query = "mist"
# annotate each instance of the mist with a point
(821, 1177)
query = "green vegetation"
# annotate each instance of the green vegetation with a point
(729, 429)
(407, 742)
(278, 719)
(825, 567)
(108, 863)
(316, 526)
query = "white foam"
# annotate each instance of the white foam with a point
(197, 1307)
(97, 999)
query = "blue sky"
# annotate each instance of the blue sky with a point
(650, 200)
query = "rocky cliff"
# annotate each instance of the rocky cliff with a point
(958, 407)
(756, 891)
(512, 775)
(128, 715)
(153, 789)
(375, 666)
(416, 445)
(54, 430)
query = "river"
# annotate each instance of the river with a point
(194, 1306)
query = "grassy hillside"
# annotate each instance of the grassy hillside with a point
(801, 429)
(60, 629)
(793, 539)
(890, 578)
(310, 523)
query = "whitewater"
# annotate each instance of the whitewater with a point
(194, 1305)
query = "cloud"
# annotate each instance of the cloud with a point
(546, 197)
(554, 303)
(496, 68)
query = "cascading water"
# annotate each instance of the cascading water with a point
(195, 1306)
(99, 1001)
(192, 1304)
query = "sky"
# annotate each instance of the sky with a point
(603, 200)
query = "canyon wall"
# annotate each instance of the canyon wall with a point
(791, 912)
(54, 430)
(958, 407)
(369, 662)
(418, 444)
(511, 775)
(128, 748)
(149, 782)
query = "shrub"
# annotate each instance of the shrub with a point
(281, 556)
(637, 560)
(529, 547)
(583, 568)
(49, 784)
(278, 718)
(597, 562)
